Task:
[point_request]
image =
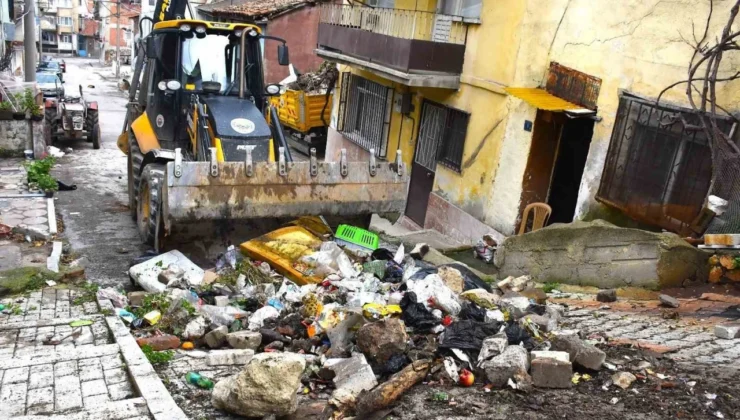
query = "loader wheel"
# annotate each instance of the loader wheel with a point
(95, 136)
(50, 126)
(149, 204)
(135, 157)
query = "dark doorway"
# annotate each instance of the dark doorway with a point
(575, 141)
(556, 161)
(431, 129)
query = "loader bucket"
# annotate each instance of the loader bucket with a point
(232, 191)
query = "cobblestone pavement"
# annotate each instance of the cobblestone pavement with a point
(99, 373)
(689, 339)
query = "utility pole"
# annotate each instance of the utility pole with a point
(118, 40)
(29, 41)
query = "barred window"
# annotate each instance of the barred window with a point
(441, 136)
(657, 170)
(365, 113)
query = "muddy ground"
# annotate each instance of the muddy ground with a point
(648, 398)
(685, 393)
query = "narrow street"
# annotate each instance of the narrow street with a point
(96, 216)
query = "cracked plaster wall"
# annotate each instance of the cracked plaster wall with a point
(631, 45)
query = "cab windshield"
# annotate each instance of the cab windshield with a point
(204, 60)
(215, 58)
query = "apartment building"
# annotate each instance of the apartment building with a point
(498, 104)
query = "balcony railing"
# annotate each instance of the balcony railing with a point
(398, 23)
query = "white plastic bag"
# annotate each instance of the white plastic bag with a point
(257, 320)
(433, 287)
(330, 259)
(118, 300)
(223, 315)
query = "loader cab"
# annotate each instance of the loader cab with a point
(188, 59)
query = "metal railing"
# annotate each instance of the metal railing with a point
(399, 23)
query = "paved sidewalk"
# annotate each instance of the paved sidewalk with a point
(21, 208)
(98, 374)
(689, 340)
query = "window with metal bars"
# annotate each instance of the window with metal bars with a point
(657, 170)
(441, 136)
(365, 113)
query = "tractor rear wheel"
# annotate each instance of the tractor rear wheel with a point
(93, 128)
(50, 125)
(135, 158)
(149, 202)
(96, 136)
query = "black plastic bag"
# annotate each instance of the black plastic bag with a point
(536, 309)
(473, 312)
(472, 281)
(395, 363)
(393, 272)
(516, 334)
(416, 315)
(382, 254)
(468, 334)
(423, 273)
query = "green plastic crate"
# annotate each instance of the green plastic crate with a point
(357, 238)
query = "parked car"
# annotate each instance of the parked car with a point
(51, 67)
(50, 85)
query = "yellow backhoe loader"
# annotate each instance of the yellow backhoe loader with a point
(203, 144)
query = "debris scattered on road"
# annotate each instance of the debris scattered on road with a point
(607, 296)
(669, 301)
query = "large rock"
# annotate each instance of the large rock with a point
(581, 353)
(217, 337)
(195, 329)
(379, 341)
(244, 339)
(266, 386)
(603, 255)
(551, 373)
(229, 357)
(351, 376)
(514, 360)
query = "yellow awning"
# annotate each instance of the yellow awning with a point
(539, 98)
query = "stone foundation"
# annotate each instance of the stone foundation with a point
(603, 255)
(14, 137)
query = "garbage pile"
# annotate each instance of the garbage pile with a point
(317, 82)
(353, 325)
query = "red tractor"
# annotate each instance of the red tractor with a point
(70, 117)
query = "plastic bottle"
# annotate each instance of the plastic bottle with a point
(196, 379)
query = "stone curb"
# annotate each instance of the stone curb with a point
(145, 379)
(51, 215)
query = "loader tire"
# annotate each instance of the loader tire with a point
(50, 125)
(149, 202)
(135, 158)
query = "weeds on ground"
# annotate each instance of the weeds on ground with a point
(89, 292)
(155, 301)
(37, 173)
(549, 287)
(157, 357)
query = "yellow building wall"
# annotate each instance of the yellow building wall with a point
(632, 45)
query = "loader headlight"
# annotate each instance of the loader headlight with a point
(238, 33)
(272, 89)
(252, 32)
(169, 84)
(173, 85)
(200, 29)
(185, 27)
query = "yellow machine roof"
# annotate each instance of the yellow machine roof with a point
(226, 26)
